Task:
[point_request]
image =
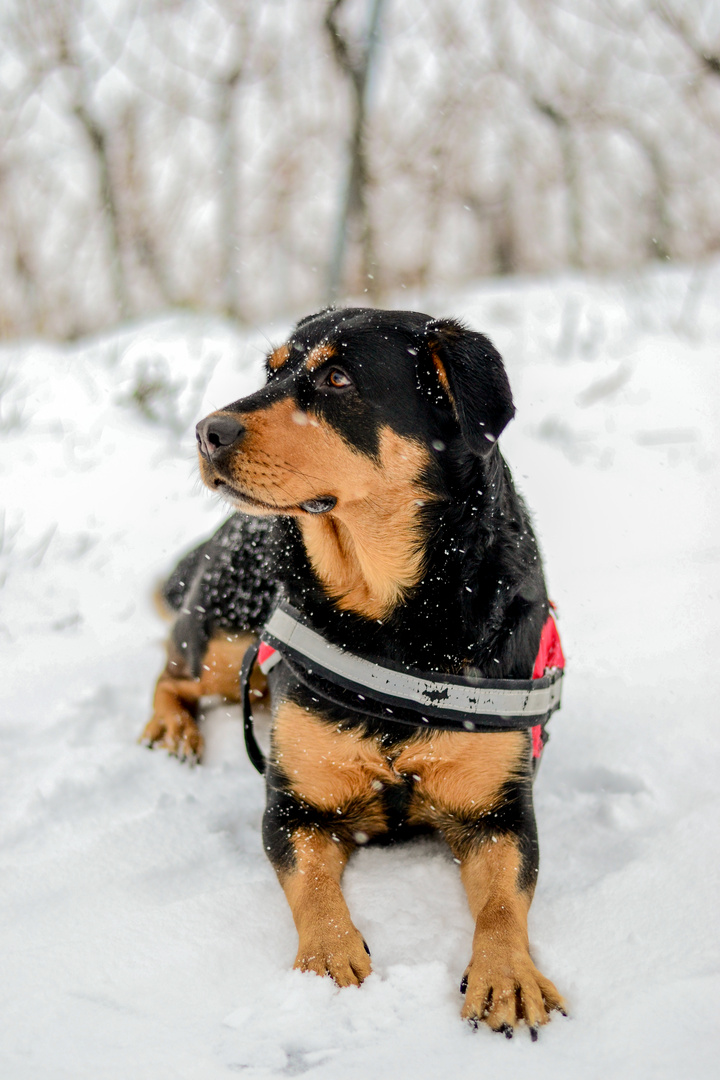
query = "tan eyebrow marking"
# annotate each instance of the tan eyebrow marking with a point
(318, 356)
(277, 358)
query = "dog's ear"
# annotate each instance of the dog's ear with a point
(472, 375)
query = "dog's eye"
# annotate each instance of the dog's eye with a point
(337, 379)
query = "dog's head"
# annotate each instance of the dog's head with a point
(359, 404)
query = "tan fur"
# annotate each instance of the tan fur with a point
(329, 942)
(331, 769)
(455, 775)
(173, 725)
(503, 984)
(318, 356)
(367, 552)
(460, 774)
(442, 376)
(278, 357)
(286, 457)
(221, 665)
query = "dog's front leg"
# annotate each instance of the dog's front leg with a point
(173, 725)
(309, 861)
(502, 985)
(329, 942)
(476, 788)
(323, 785)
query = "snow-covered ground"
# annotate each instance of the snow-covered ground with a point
(142, 931)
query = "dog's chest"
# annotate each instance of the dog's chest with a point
(428, 778)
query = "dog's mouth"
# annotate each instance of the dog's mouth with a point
(323, 504)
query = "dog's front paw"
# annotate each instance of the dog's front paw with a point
(177, 732)
(503, 992)
(344, 957)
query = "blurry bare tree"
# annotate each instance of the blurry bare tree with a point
(357, 65)
(228, 154)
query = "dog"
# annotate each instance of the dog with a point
(372, 495)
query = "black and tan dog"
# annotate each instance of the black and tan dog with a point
(383, 510)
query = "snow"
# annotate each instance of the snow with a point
(143, 932)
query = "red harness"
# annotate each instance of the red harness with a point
(550, 655)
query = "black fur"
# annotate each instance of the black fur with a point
(225, 583)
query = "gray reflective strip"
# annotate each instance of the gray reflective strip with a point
(463, 699)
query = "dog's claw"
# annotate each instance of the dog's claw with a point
(506, 1030)
(367, 949)
(463, 984)
(534, 1033)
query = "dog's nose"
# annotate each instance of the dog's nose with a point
(215, 432)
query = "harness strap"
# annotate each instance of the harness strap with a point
(448, 702)
(253, 750)
(398, 695)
